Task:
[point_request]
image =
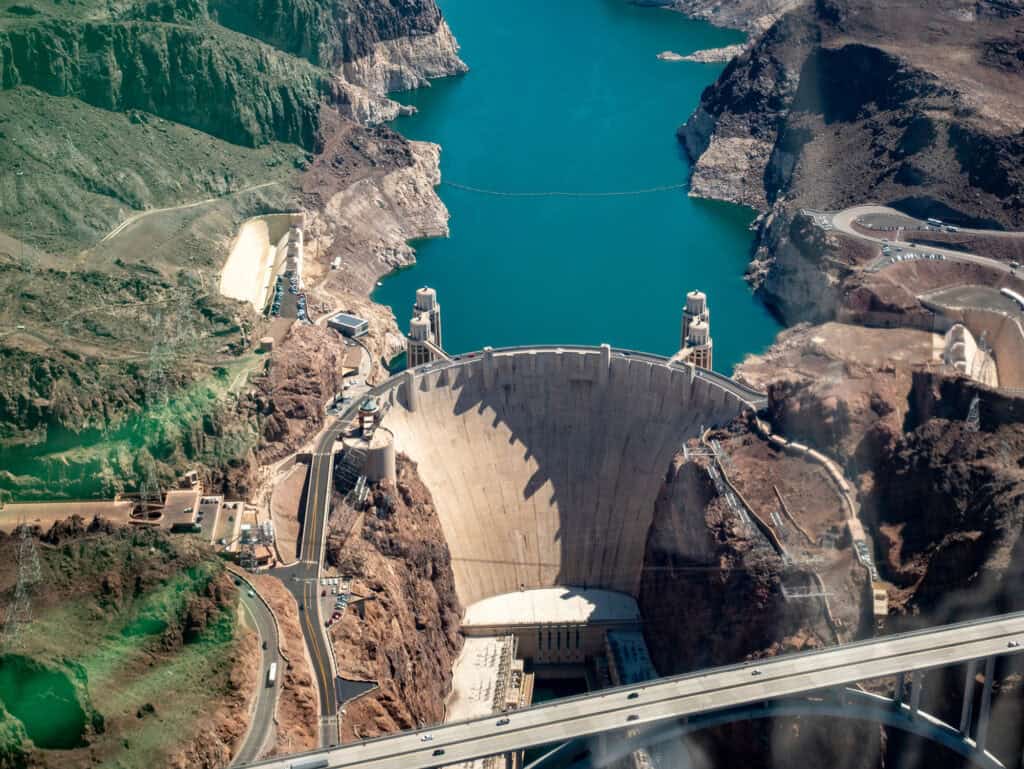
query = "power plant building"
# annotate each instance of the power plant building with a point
(349, 325)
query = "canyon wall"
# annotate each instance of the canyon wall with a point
(111, 109)
(401, 629)
(710, 591)
(842, 102)
(184, 74)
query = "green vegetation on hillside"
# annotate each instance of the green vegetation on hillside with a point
(110, 110)
(133, 636)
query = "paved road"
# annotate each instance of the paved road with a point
(143, 214)
(666, 698)
(302, 580)
(842, 221)
(266, 703)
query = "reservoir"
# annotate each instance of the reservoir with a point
(571, 97)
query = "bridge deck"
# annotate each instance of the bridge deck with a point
(691, 694)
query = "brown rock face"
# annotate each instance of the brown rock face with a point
(404, 634)
(846, 101)
(302, 374)
(711, 594)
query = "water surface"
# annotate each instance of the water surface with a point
(570, 96)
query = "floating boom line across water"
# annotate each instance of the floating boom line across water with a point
(565, 194)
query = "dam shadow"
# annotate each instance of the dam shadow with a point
(545, 468)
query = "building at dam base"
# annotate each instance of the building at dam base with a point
(554, 625)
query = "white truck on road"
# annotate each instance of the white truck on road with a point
(272, 674)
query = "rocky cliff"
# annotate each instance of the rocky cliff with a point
(844, 101)
(711, 595)
(710, 590)
(751, 15)
(198, 76)
(404, 632)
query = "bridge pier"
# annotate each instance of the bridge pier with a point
(915, 692)
(981, 735)
(967, 707)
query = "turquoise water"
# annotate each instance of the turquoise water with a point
(44, 700)
(570, 96)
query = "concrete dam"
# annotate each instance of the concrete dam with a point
(545, 463)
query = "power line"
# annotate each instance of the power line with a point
(19, 610)
(564, 193)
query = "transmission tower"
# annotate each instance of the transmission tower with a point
(974, 415)
(174, 339)
(19, 610)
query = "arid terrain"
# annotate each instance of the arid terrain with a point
(121, 359)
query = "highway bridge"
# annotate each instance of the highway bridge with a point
(737, 692)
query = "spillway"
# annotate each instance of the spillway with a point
(544, 463)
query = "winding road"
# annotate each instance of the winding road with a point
(303, 581)
(262, 724)
(149, 212)
(843, 221)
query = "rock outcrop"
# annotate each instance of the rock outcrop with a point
(180, 73)
(844, 101)
(710, 592)
(401, 628)
(751, 15)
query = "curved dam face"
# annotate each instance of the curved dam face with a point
(544, 464)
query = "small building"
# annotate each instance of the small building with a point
(349, 325)
(266, 344)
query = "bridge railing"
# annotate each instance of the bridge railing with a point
(970, 629)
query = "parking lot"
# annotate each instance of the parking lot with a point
(335, 594)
